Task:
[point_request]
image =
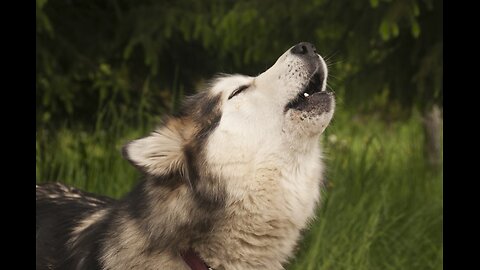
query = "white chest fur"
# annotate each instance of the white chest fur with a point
(270, 200)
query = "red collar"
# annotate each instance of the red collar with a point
(194, 261)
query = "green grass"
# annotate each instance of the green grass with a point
(382, 207)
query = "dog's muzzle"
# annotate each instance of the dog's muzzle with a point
(313, 98)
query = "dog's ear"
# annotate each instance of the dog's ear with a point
(160, 153)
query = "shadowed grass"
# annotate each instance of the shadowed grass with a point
(381, 206)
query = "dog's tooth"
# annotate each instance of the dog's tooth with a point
(306, 94)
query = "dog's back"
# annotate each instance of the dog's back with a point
(59, 210)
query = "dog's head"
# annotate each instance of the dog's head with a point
(239, 118)
(288, 98)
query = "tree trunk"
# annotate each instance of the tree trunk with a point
(432, 123)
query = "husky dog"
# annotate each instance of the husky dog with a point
(229, 182)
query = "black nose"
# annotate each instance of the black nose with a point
(304, 48)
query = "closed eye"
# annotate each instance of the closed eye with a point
(238, 91)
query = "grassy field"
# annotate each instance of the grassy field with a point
(382, 207)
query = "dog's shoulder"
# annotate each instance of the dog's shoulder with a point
(60, 212)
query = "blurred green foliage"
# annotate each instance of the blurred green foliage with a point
(143, 56)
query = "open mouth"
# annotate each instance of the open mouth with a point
(311, 96)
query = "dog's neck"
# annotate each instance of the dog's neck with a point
(268, 204)
(263, 206)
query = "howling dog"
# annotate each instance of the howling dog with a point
(229, 182)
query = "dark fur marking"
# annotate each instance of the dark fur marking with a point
(87, 249)
(209, 107)
(137, 205)
(207, 192)
(55, 219)
(191, 104)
